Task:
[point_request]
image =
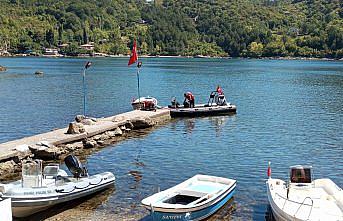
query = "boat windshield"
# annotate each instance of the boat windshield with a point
(300, 175)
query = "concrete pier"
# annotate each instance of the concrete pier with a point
(59, 137)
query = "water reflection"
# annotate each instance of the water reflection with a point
(218, 123)
(225, 212)
(189, 125)
(269, 214)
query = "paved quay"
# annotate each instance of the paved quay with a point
(59, 136)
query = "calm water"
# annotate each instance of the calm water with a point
(289, 112)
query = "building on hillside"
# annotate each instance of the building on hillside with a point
(51, 52)
(64, 45)
(88, 47)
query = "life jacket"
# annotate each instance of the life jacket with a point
(220, 91)
(190, 96)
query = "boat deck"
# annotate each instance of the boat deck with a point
(206, 187)
(303, 202)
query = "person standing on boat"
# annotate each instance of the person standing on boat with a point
(219, 90)
(221, 97)
(189, 99)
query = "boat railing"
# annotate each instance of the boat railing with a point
(292, 201)
(300, 204)
(303, 203)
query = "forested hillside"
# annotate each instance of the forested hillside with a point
(249, 28)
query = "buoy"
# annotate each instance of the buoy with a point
(269, 171)
(39, 73)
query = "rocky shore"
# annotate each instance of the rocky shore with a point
(89, 134)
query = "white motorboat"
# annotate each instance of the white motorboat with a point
(144, 103)
(5, 209)
(194, 199)
(38, 190)
(302, 198)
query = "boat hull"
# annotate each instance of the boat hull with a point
(5, 210)
(139, 103)
(23, 206)
(192, 214)
(202, 111)
(278, 214)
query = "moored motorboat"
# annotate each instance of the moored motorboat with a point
(38, 190)
(302, 198)
(203, 110)
(216, 105)
(194, 199)
(144, 102)
(5, 209)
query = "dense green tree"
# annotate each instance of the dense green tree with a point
(50, 37)
(177, 27)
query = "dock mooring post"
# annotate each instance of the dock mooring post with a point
(88, 64)
(139, 65)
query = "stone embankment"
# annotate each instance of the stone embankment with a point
(81, 135)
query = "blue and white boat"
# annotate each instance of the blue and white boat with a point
(194, 199)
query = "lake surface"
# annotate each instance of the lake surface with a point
(289, 112)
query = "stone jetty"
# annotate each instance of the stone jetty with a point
(83, 133)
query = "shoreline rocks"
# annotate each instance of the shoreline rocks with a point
(75, 128)
(11, 168)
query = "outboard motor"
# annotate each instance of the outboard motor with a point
(75, 167)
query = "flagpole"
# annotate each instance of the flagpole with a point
(139, 94)
(88, 64)
(139, 65)
(84, 91)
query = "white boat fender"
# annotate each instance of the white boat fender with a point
(78, 187)
(98, 182)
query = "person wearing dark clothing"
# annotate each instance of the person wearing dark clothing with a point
(174, 103)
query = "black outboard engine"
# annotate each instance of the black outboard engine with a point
(75, 167)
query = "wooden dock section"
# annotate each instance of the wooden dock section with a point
(59, 136)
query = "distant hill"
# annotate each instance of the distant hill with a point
(248, 28)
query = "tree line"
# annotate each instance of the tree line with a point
(245, 28)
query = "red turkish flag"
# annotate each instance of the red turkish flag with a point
(134, 55)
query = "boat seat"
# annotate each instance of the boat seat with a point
(192, 193)
(51, 171)
(205, 197)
